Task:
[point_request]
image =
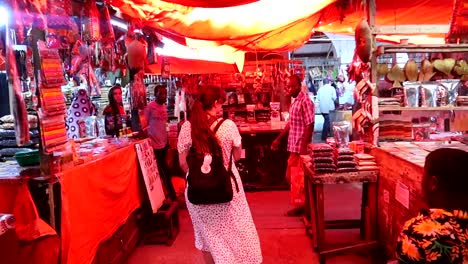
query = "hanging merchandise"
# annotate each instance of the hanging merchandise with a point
(365, 112)
(82, 70)
(52, 100)
(138, 92)
(165, 67)
(91, 29)
(105, 27)
(17, 103)
(136, 53)
(80, 108)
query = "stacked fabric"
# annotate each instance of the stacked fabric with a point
(462, 100)
(344, 158)
(365, 162)
(391, 101)
(395, 130)
(322, 158)
(8, 143)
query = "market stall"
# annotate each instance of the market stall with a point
(63, 59)
(401, 169)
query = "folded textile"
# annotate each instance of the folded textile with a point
(325, 170)
(345, 151)
(345, 157)
(366, 163)
(322, 154)
(323, 160)
(364, 157)
(346, 164)
(320, 147)
(324, 166)
(367, 168)
(351, 169)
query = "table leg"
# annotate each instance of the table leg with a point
(372, 205)
(313, 213)
(364, 204)
(307, 204)
(52, 204)
(320, 217)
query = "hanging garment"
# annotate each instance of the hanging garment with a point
(80, 108)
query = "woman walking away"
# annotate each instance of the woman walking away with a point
(224, 232)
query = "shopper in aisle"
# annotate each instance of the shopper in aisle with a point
(299, 132)
(156, 116)
(326, 96)
(440, 234)
(225, 232)
(114, 113)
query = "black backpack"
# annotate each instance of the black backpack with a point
(212, 186)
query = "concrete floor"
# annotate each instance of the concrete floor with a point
(283, 239)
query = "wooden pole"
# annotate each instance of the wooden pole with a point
(371, 11)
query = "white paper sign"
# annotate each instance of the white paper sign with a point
(402, 194)
(150, 172)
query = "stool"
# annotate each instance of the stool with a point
(314, 213)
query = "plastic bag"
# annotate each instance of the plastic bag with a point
(341, 132)
(296, 172)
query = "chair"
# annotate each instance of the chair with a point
(314, 210)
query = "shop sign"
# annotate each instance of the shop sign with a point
(151, 176)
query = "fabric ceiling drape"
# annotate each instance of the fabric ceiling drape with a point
(258, 26)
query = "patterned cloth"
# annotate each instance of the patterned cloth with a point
(225, 230)
(80, 108)
(434, 236)
(301, 114)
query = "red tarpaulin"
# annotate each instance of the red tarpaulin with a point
(190, 66)
(210, 3)
(257, 26)
(271, 25)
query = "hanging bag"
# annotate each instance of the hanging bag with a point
(208, 180)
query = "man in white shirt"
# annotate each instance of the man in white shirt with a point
(326, 96)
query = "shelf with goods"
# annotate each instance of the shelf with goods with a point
(439, 108)
(430, 80)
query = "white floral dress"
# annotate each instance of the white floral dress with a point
(225, 230)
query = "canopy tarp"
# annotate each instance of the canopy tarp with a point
(192, 66)
(271, 25)
(394, 13)
(257, 26)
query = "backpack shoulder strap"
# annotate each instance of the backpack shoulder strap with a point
(220, 122)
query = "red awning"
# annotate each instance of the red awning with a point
(210, 3)
(262, 25)
(190, 66)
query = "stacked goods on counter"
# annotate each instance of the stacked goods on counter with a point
(344, 158)
(462, 101)
(8, 143)
(322, 158)
(53, 109)
(391, 101)
(365, 162)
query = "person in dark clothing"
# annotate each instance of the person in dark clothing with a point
(439, 234)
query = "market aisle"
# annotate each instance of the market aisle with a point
(283, 238)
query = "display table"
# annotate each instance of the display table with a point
(399, 192)
(261, 168)
(36, 241)
(97, 198)
(314, 218)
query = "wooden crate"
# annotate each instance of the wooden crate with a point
(391, 213)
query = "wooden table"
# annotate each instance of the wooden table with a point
(314, 210)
